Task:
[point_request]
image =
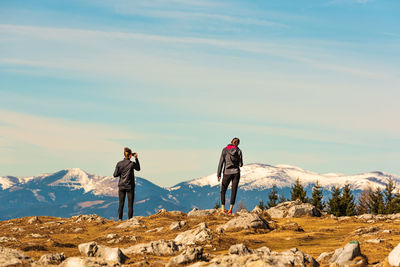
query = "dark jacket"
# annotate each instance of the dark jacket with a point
(231, 160)
(125, 171)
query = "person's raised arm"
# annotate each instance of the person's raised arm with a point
(116, 172)
(136, 164)
(241, 159)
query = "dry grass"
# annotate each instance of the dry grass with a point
(320, 235)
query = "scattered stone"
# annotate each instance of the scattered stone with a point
(395, 216)
(177, 225)
(133, 222)
(195, 212)
(157, 230)
(17, 229)
(89, 218)
(344, 218)
(244, 221)
(87, 262)
(257, 210)
(77, 230)
(92, 249)
(54, 259)
(344, 255)
(394, 256)
(324, 256)
(34, 219)
(293, 209)
(239, 249)
(371, 221)
(366, 230)
(158, 248)
(292, 226)
(177, 212)
(4, 239)
(36, 235)
(375, 241)
(365, 217)
(200, 234)
(387, 231)
(189, 255)
(12, 257)
(111, 236)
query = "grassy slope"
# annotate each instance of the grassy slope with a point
(320, 235)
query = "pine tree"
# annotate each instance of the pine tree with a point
(364, 201)
(376, 205)
(273, 197)
(298, 192)
(347, 205)
(261, 205)
(334, 201)
(317, 197)
(282, 198)
(390, 205)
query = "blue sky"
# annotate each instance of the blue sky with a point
(314, 84)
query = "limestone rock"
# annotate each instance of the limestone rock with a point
(344, 255)
(394, 256)
(195, 212)
(87, 262)
(34, 219)
(257, 210)
(7, 239)
(177, 225)
(89, 218)
(53, 259)
(366, 230)
(92, 249)
(188, 255)
(158, 248)
(239, 249)
(293, 209)
(245, 221)
(12, 257)
(200, 234)
(133, 222)
(155, 230)
(375, 241)
(365, 217)
(324, 256)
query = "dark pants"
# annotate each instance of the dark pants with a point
(224, 186)
(131, 196)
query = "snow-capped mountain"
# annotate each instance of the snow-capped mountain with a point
(74, 191)
(263, 176)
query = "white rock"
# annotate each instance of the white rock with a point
(157, 230)
(188, 255)
(12, 257)
(245, 221)
(92, 249)
(177, 225)
(201, 213)
(7, 239)
(257, 210)
(200, 234)
(346, 254)
(239, 249)
(34, 219)
(394, 256)
(375, 241)
(158, 248)
(53, 259)
(131, 223)
(86, 262)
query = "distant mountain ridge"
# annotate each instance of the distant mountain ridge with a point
(73, 191)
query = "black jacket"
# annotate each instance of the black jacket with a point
(125, 171)
(231, 160)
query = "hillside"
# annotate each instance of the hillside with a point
(377, 236)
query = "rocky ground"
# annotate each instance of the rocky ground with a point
(288, 235)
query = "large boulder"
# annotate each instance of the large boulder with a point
(12, 257)
(177, 225)
(189, 255)
(394, 256)
(244, 221)
(131, 223)
(195, 212)
(240, 255)
(92, 249)
(292, 209)
(345, 255)
(87, 262)
(158, 248)
(200, 234)
(52, 259)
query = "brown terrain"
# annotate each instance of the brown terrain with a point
(36, 236)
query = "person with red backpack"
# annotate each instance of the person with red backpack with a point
(229, 164)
